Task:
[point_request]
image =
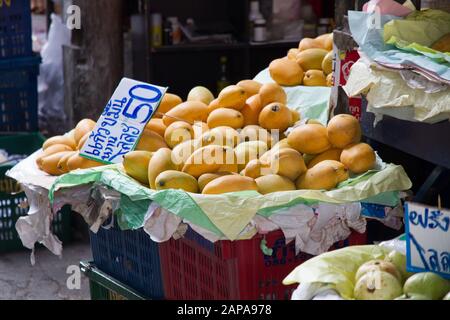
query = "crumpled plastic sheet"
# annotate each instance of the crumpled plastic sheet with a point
(35, 227)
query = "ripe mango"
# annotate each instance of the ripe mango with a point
(59, 140)
(255, 169)
(232, 97)
(83, 140)
(160, 161)
(330, 80)
(315, 78)
(325, 41)
(221, 136)
(206, 178)
(201, 94)
(78, 162)
(49, 164)
(343, 130)
(83, 127)
(443, 44)
(309, 139)
(56, 148)
(189, 111)
(230, 183)
(295, 117)
(327, 63)
(272, 92)
(286, 72)
(199, 129)
(229, 167)
(172, 179)
(288, 163)
(247, 151)
(251, 110)
(292, 54)
(311, 59)
(168, 102)
(256, 133)
(150, 141)
(178, 132)
(274, 183)
(251, 87)
(183, 151)
(156, 125)
(309, 43)
(213, 106)
(325, 175)
(208, 160)
(136, 164)
(265, 158)
(358, 158)
(331, 154)
(225, 117)
(275, 116)
(63, 162)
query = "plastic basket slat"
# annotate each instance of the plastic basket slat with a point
(15, 28)
(129, 256)
(18, 94)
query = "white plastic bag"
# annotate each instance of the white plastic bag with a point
(52, 116)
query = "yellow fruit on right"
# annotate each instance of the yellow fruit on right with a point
(136, 163)
(206, 178)
(150, 141)
(225, 117)
(358, 158)
(311, 59)
(309, 139)
(327, 63)
(315, 78)
(251, 87)
(177, 133)
(286, 72)
(309, 43)
(168, 102)
(325, 175)
(232, 97)
(172, 179)
(275, 116)
(343, 130)
(292, 54)
(189, 111)
(84, 126)
(330, 80)
(160, 161)
(272, 92)
(288, 163)
(274, 183)
(201, 94)
(230, 183)
(331, 154)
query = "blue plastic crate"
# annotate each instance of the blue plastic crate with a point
(18, 94)
(131, 257)
(15, 28)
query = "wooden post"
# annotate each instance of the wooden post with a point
(93, 64)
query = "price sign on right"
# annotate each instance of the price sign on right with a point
(427, 239)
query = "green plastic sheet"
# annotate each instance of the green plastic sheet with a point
(228, 214)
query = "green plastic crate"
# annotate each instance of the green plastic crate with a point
(104, 287)
(11, 198)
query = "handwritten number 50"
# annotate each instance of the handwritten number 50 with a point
(133, 114)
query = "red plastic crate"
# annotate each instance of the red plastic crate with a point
(195, 269)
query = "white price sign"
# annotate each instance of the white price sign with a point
(427, 239)
(121, 124)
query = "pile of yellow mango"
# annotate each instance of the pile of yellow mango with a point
(247, 138)
(311, 64)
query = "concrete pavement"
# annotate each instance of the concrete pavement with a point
(47, 279)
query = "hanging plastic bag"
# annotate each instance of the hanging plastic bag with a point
(53, 119)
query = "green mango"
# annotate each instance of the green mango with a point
(428, 284)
